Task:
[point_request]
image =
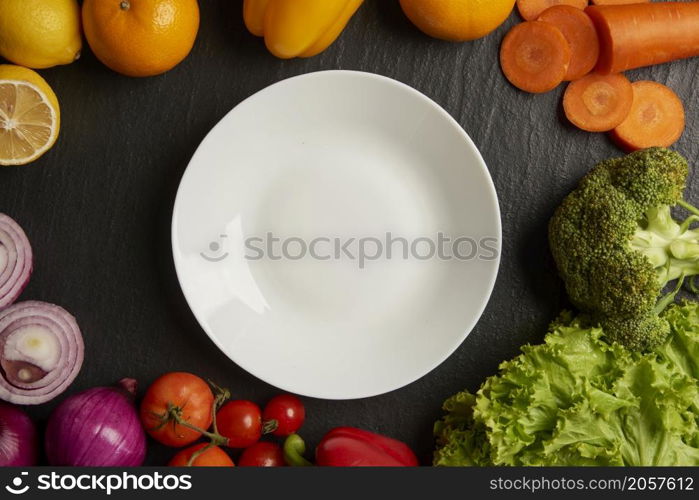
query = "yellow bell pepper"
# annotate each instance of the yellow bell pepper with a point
(298, 28)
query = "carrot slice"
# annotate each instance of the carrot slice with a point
(642, 34)
(656, 118)
(531, 9)
(580, 32)
(598, 103)
(535, 56)
(617, 2)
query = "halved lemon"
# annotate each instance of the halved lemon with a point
(29, 115)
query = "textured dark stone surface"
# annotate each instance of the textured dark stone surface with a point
(97, 207)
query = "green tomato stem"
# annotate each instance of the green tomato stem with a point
(222, 395)
(198, 453)
(175, 415)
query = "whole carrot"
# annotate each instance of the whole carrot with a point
(616, 2)
(636, 35)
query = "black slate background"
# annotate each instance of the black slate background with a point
(97, 207)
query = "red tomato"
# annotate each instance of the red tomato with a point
(241, 422)
(287, 411)
(213, 457)
(192, 398)
(262, 454)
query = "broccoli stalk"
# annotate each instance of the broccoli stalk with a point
(617, 245)
(671, 247)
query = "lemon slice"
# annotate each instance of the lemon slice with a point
(29, 116)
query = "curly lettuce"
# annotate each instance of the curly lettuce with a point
(578, 400)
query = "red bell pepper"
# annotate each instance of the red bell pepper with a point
(350, 447)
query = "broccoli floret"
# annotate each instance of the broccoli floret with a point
(617, 246)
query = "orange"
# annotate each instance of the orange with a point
(457, 20)
(141, 37)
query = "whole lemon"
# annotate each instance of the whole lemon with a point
(141, 37)
(457, 20)
(40, 33)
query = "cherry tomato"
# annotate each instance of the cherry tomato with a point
(287, 411)
(262, 454)
(241, 422)
(213, 457)
(192, 399)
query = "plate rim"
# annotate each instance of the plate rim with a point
(491, 195)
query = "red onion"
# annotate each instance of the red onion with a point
(41, 352)
(97, 428)
(15, 261)
(18, 438)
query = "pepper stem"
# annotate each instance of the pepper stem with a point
(294, 448)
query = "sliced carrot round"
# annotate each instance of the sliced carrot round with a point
(656, 118)
(579, 30)
(617, 2)
(535, 56)
(531, 9)
(598, 103)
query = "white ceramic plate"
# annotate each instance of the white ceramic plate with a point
(328, 157)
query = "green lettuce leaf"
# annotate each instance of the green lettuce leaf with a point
(578, 400)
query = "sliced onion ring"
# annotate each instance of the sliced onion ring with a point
(15, 261)
(41, 352)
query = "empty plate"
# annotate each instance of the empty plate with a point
(337, 235)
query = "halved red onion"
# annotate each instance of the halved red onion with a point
(41, 352)
(15, 261)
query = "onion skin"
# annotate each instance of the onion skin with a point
(18, 438)
(97, 428)
(71, 349)
(18, 257)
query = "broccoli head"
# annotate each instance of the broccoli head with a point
(617, 245)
